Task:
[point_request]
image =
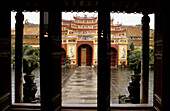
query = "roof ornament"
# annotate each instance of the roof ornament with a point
(27, 22)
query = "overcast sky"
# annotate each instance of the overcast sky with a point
(124, 19)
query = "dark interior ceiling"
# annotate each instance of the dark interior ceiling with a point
(129, 6)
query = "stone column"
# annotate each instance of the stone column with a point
(145, 59)
(19, 57)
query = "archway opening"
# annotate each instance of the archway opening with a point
(63, 56)
(113, 57)
(85, 55)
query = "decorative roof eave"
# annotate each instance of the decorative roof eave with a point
(85, 18)
(64, 20)
(78, 23)
(64, 30)
(118, 30)
(116, 25)
(73, 28)
(118, 37)
(64, 25)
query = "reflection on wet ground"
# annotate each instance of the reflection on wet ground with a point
(79, 85)
(81, 88)
(120, 78)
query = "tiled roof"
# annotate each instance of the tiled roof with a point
(131, 31)
(29, 30)
(135, 31)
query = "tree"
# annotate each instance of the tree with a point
(132, 47)
(151, 57)
(135, 60)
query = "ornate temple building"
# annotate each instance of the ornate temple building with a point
(80, 41)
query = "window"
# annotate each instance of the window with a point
(90, 21)
(85, 32)
(117, 28)
(123, 41)
(71, 40)
(70, 32)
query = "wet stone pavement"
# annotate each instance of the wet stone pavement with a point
(79, 85)
(81, 88)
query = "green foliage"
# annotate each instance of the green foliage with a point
(132, 47)
(13, 48)
(135, 60)
(30, 59)
(67, 61)
(29, 50)
(30, 63)
(151, 57)
(25, 47)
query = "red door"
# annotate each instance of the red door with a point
(88, 55)
(113, 57)
(63, 56)
(85, 51)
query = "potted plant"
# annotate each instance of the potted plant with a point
(29, 64)
(134, 85)
(123, 64)
(67, 61)
(135, 64)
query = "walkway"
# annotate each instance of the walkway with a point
(81, 88)
(79, 85)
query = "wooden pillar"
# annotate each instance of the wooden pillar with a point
(5, 60)
(145, 59)
(103, 93)
(19, 57)
(50, 48)
(165, 93)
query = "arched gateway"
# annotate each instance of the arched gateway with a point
(80, 40)
(113, 57)
(84, 55)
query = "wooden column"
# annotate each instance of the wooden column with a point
(5, 60)
(165, 96)
(145, 59)
(19, 57)
(103, 93)
(50, 48)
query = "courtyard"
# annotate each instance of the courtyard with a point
(79, 85)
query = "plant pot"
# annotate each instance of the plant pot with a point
(134, 89)
(135, 78)
(29, 78)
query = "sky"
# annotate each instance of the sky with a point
(121, 18)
